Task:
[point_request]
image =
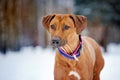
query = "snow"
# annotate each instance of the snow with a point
(28, 64)
(38, 64)
(111, 69)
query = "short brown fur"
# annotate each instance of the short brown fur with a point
(90, 62)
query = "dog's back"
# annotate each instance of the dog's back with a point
(95, 54)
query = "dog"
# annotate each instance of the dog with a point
(77, 57)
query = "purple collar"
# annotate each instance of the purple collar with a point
(76, 53)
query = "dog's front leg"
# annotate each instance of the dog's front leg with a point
(60, 72)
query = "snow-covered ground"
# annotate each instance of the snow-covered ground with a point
(37, 64)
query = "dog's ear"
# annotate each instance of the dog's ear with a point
(80, 22)
(46, 20)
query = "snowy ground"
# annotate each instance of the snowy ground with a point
(37, 64)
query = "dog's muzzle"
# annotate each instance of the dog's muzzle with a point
(57, 42)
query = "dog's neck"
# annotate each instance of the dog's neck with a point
(71, 44)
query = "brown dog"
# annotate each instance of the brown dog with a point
(77, 58)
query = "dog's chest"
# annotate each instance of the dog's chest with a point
(75, 70)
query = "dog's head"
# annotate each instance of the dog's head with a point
(62, 27)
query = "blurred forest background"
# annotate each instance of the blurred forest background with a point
(20, 21)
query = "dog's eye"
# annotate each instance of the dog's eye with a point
(66, 27)
(52, 26)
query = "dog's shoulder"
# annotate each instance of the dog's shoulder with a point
(89, 40)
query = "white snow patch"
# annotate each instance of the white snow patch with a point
(28, 64)
(111, 70)
(75, 74)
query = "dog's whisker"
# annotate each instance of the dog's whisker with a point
(63, 48)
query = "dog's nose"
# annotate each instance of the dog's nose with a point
(55, 41)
